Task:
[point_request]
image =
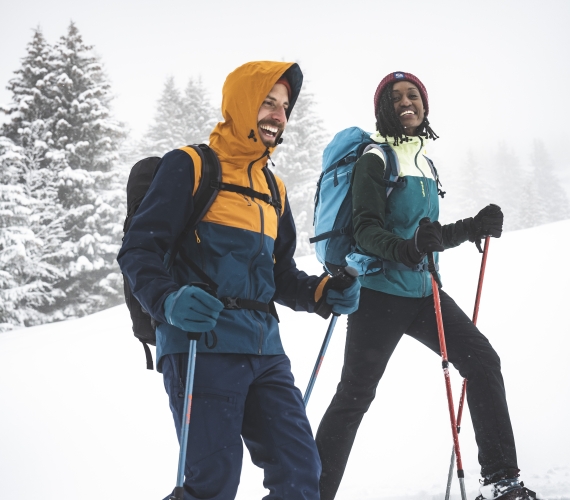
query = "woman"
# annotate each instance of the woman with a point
(399, 298)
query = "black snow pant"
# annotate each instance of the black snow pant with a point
(373, 333)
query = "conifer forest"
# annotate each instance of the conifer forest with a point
(65, 160)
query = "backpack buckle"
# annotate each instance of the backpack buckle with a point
(231, 302)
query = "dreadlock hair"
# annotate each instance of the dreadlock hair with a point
(388, 124)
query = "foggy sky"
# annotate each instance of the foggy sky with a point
(494, 70)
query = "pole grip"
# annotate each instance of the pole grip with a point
(340, 281)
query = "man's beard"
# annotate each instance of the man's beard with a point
(280, 128)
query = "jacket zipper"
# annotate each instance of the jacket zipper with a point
(261, 234)
(428, 196)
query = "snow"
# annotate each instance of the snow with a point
(81, 417)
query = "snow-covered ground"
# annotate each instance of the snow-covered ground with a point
(80, 417)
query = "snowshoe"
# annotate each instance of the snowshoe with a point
(506, 489)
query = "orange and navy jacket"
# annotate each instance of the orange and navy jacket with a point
(241, 243)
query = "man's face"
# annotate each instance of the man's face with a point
(271, 119)
(408, 105)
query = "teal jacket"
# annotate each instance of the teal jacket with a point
(381, 222)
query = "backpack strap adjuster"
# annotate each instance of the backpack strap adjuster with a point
(231, 302)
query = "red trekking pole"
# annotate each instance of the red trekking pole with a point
(436, 285)
(464, 385)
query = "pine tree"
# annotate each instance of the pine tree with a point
(29, 243)
(468, 188)
(180, 119)
(31, 106)
(90, 185)
(60, 118)
(200, 117)
(82, 125)
(298, 163)
(551, 201)
(168, 129)
(509, 183)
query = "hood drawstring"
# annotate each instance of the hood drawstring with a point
(269, 158)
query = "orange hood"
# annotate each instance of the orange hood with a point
(235, 140)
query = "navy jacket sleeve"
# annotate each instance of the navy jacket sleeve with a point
(159, 220)
(294, 288)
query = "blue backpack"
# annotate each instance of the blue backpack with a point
(333, 199)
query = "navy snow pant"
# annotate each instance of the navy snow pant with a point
(249, 396)
(373, 333)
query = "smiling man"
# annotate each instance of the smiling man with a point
(272, 116)
(243, 385)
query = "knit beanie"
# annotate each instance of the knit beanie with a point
(400, 76)
(283, 81)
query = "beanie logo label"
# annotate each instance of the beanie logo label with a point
(399, 75)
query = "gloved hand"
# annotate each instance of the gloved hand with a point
(192, 309)
(488, 222)
(342, 301)
(426, 239)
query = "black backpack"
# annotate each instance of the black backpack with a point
(140, 179)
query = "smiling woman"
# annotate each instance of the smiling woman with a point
(401, 105)
(397, 295)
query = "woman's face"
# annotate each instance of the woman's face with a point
(408, 105)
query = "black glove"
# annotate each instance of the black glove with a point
(488, 222)
(427, 238)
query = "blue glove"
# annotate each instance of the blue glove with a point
(192, 309)
(344, 301)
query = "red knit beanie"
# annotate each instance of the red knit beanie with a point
(400, 76)
(284, 81)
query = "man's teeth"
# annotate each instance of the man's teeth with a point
(408, 112)
(267, 128)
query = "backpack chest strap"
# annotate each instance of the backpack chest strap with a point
(234, 188)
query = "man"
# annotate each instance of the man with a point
(243, 385)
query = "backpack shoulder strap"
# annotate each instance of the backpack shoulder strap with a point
(392, 165)
(440, 191)
(210, 174)
(274, 190)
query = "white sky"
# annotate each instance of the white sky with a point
(81, 417)
(494, 69)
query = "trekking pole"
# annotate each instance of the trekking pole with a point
(436, 285)
(178, 493)
(464, 384)
(347, 277)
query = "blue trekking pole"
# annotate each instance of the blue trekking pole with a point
(345, 277)
(178, 493)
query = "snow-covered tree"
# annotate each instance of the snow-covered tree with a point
(82, 125)
(200, 116)
(90, 186)
(168, 127)
(298, 162)
(509, 178)
(468, 188)
(551, 199)
(180, 119)
(30, 239)
(31, 106)
(60, 119)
